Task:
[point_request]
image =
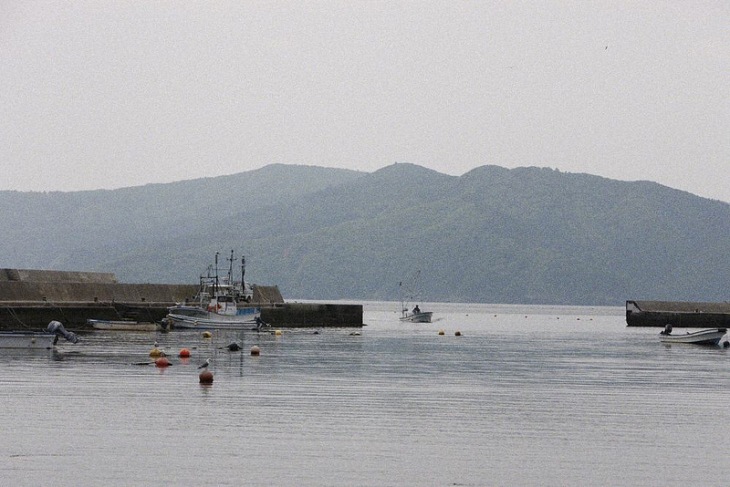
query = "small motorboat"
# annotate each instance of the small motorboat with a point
(122, 325)
(711, 336)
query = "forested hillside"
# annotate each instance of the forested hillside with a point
(526, 235)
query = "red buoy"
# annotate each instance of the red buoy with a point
(162, 362)
(206, 377)
(184, 353)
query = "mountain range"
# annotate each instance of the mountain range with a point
(493, 235)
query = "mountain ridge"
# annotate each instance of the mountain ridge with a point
(525, 235)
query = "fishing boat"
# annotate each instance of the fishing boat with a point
(220, 303)
(37, 340)
(122, 325)
(711, 336)
(415, 315)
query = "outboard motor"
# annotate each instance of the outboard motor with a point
(57, 329)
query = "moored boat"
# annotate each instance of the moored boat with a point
(122, 325)
(712, 336)
(220, 303)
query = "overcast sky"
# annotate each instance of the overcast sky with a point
(115, 94)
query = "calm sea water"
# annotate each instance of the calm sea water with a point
(525, 396)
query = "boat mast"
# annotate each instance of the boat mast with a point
(243, 271)
(215, 285)
(230, 269)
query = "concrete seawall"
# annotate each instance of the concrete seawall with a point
(30, 299)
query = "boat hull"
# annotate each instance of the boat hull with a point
(703, 337)
(196, 318)
(27, 340)
(122, 325)
(422, 317)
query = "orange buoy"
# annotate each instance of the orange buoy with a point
(255, 351)
(184, 353)
(206, 377)
(162, 362)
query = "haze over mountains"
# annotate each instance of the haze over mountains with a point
(492, 235)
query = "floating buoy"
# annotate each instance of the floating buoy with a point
(255, 351)
(206, 377)
(277, 333)
(162, 362)
(458, 333)
(156, 352)
(234, 347)
(725, 344)
(355, 334)
(184, 353)
(207, 334)
(441, 332)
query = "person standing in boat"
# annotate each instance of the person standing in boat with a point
(416, 310)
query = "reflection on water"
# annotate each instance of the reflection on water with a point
(526, 396)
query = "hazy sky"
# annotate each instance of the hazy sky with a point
(97, 94)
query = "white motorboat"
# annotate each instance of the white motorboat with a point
(122, 325)
(415, 315)
(711, 336)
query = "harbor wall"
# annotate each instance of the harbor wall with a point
(678, 314)
(30, 299)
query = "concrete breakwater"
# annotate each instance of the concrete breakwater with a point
(30, 299)
(678, 314)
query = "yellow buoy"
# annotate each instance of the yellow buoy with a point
(441, 332)
(277, 333)
(156, 352)
(207, 334)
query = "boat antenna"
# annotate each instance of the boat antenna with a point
(230, 269)
(243, 269)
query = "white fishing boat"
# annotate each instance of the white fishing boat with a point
(37, 340)
(415, 315)
(220, 303)
(122, 325)
(711, 336)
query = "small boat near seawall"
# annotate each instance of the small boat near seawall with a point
(711, 336)
(122, 325)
